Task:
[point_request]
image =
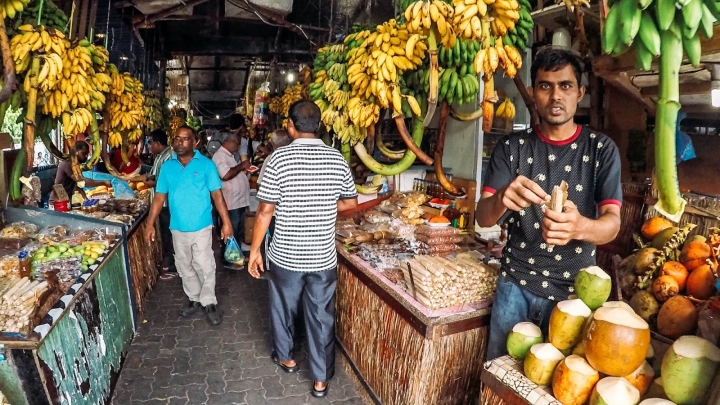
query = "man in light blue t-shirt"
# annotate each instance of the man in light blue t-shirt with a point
(187, 181)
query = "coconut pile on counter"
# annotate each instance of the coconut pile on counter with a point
(673, 277)
(597, 352)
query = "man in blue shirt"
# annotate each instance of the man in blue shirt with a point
(187, 181)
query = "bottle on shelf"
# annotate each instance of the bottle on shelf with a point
(76, 201)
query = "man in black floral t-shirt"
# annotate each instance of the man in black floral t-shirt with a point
(546, 249)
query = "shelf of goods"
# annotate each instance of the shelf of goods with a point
(404, 351)
(75, 342)
(666, 291)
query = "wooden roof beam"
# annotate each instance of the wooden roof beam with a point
(686, 89)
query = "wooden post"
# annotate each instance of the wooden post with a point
(163, 76)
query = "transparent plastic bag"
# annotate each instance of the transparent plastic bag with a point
(440, 240)
(435, 231)
(233, 254)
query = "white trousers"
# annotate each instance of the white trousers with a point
(195, 262)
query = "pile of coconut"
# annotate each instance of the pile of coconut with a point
(671, 274)
(590, 337)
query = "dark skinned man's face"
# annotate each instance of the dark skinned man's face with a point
(184, 143)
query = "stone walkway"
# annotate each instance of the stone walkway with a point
(174, 360)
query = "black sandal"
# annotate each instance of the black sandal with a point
(319, 393)
(287, 369)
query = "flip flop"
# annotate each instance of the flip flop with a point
(167, 276)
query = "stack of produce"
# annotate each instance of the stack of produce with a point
(52, 16)
(154, 111)
(609, 339)
(126, 106)
(439, 282)
(18, 302)
(281, 105)
(438, 240)
(669, 274)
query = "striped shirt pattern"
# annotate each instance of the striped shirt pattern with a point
(304, 181)
(161, 158)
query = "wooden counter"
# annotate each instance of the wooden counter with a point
(402, 355)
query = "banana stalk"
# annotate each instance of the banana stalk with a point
(76, 170)
(488, 105)
(104, 142)
(124, 149)
(43, 131)
(439, 149)
(400, 123)
(345, 150)
(10, 81)
(96, 143)
(15, 173)
(668, 106)
(370, 139)
(3, 109)
(386, 151)
(29, 129)
(397, 167)
(466, 117)
(434, 77)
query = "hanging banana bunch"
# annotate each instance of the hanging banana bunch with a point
(154, 117)
(126, 104)
(51, 17)
(663, 29)
(520, 36)
(10, 8)
(421, 15)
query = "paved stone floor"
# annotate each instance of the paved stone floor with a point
(174, 360)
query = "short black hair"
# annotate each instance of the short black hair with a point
(305, 116)
(82, 146)
(192, 131)
(237, 121)
(552, 60)
(159, 136)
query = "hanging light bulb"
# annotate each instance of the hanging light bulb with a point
(217, 117)
(290, 77)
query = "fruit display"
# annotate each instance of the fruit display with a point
(9, 8)
(523, 336)
(155, 116)
(291, 95)
(51, 17)
(573, 380)
(666, 30)
(671, 274)
(691, 364)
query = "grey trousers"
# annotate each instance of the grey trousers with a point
(316, 291)
(195, 262)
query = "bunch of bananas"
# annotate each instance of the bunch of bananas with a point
(126, 101)
(330, 62)
(458, 85)
(462, 53)
(76, 121)
(349, 133)
(362, 112)
(115, 139)
(9, 8)
(519, 36)
(468, 17)
(421, 15)
(505, 14)
(134, 135)
(291, 95)
(153, 107)
(177, 119)
(31, 40)
(52, 16)
(505, 56)
(74, 87)
(570, 4)
(275, 105)
(506, 110)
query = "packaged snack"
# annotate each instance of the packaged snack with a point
(375, 217)
(438, 249)
(435, 231)
(10, 266)
(440, 240)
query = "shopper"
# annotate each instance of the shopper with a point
(546, 249)
(235, 183)
(158, 145)
(278, 139)
(305, 184)
(65, 177)
(187, 181)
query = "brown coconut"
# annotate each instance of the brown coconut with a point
(573, 380)
(677, 317)
(642, 377)
(616, 340)
(695, 254)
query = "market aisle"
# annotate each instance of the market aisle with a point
(186, 361)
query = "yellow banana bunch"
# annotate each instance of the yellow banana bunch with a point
(76, 121)
(126, 103)
(32, 40)
(489, 58)
(361, 112)
(328, 117)
(468, 16)
(506, 110)
(505, 14)
(275, 105)
(135, 135)
(153, 110)
(291, 95)
(9, 8)
(420, 16)
(352, 134)
(115, 139)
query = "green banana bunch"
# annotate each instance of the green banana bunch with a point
(52, 17)
(463, 53)
(458, 85)
(519, 36)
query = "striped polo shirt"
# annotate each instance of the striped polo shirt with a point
(304, 181)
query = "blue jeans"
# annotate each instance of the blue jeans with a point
(511, 306)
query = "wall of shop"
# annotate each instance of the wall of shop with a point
(623, 114)
(701, 174)
(461, 144)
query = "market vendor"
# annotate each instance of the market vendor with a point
(546, 249)
(64, 173)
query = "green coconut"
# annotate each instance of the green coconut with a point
(690, 363)
(566, 324)
(540, 363)
(614, 391)
(593, 286)
(523, 336)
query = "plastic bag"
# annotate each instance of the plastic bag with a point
(440, 240)
(262, 108)
(684, 149)
(233, 254)
(435, 231)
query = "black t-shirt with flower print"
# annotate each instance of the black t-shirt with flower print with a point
(590, 163)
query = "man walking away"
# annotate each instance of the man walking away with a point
(158, 144)
(305, 184)
(187, 181)
(278, 139)
(235, 183)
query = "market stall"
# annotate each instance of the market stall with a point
(74, 341)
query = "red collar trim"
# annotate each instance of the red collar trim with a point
(557, 143)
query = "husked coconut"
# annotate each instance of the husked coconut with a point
(657, 401)
(618, 304)
(593, 286)
(677, 317)
(540, 363)
(616, 341)
(566, 323)
(690, 363)
(642, 377)
(574, 380)
(523, 336)
(614, 391)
